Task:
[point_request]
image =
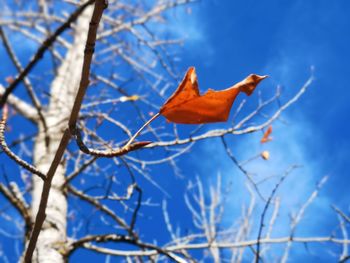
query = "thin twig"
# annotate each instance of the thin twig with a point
(300, 215)
(140, 130)
(99, 206)
(240, 167)
(11, 154)
(18, 204)
(261, 225)
(26, 82)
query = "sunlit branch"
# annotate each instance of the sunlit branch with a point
(222, 245)
(143, 19)
(299, 216)
(85, 242)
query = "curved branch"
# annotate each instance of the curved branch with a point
(26, 82)
(86, 243)
(99, 206)
(106, 153)
(11, 154)
(18, 203)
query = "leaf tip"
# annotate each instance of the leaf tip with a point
(251, 82)
(192, 74)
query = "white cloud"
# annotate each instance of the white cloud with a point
(188, 24)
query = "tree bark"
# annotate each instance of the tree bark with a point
(63, 90)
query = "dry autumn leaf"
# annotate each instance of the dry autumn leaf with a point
(266, 137)
(187, 106)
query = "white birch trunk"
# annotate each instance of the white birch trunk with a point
(63, 89)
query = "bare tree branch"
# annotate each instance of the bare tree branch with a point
(14, 197)
(261, 225)
(205, 245)
(26, 82)
(12, 155)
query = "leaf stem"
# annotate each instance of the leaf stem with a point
(140, 130)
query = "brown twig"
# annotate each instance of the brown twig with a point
(99, 206)
(76, 172)
(11, 154)
(341, 213)
(26, 82)
(241, 168)
(261, 225)
(106, 153)
(18, 203)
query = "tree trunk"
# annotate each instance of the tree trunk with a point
(53, 236)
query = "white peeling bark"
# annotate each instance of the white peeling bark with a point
(53, 236)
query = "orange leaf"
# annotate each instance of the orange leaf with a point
(266, 135)
(187, 106)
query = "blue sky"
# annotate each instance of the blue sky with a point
(283, 39)
(227, 40)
